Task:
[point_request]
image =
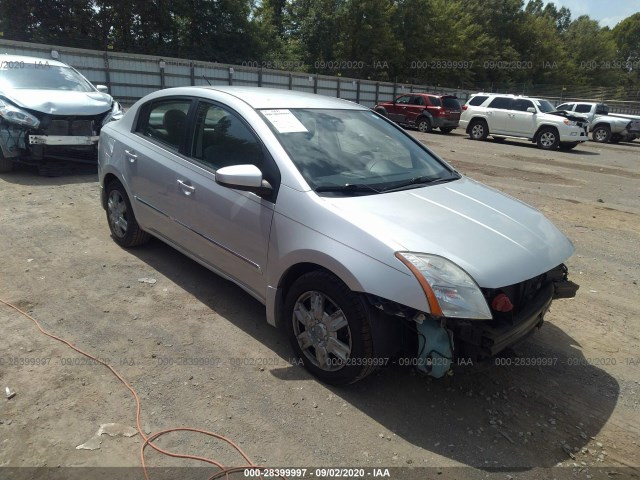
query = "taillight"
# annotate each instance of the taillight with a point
(464, 107)
(436, 111)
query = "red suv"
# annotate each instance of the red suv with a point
(423, 111)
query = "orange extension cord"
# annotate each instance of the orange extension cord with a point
(224, 471)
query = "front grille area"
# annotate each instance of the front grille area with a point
(71, 127)
(76, 125)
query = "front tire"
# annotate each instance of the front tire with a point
(122, 222)
(601, 134)
(548, 139)
(328, 327)
(424, 125)
(478, 130)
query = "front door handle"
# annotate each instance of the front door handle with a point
(186, 188)
(131, 155)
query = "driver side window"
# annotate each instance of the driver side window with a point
(221, 139)
(404, 100)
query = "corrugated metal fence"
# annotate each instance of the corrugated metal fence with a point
(131, 76)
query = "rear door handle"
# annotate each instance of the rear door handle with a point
(186, 188)
(131, 155)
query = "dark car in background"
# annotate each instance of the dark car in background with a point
(49, 110)
(425, 111)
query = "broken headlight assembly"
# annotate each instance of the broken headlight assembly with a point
(17, 116)
(115, 114)
(450, 291)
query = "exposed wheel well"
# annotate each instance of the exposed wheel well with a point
(473, 120)
(544, 127)
(602, 124)
(108, 178)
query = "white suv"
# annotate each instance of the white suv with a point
(535, 119)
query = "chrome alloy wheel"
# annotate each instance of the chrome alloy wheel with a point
(322, 331)
(547, 139)
(117, 210)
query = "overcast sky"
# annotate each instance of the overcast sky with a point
(607, 12)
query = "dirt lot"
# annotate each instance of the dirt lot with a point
(199, 351)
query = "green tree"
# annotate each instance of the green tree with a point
(368, 39)
(593, 53)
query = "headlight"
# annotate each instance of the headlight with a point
(570, 122)
(18, 116)
(450, 291)
(116, 114)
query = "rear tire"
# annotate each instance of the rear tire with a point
(548, 139)
(478, 130)
(568, 145)
(122, 222)
(424, 125)
(328, 327)
(601, 134)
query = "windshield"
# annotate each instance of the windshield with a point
(355, 148)
(43, 77)
(545, 106)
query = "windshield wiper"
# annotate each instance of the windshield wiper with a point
(347, 188)
(422, 180)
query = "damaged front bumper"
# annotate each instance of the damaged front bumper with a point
(63, 140)
(73, 138)
(447, 343)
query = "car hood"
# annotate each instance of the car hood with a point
(573, 116)
(60, 102)
(497, 239)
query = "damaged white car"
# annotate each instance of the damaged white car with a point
(362, 243)
(48, 110)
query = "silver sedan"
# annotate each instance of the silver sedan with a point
(361, 243)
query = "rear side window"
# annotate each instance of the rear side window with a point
(450, 103)
(602, 109)
(583, 108)
(417, 100)
(435, 101)
(503, 103)
(477, 100)
(165, 121)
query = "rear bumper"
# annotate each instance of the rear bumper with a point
(438, 122)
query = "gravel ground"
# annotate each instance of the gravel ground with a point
(200, 354)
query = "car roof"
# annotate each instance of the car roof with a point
(5, 57)
(262, 97)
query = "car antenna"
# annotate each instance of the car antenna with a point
(207, 80)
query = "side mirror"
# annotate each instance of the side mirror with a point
(531, 110)
(243, 177)
(102, 88)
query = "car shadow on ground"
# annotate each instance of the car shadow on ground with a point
(533, 409)
(51, 173)
(579, 150)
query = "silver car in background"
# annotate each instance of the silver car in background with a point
(360, 241)
(49, 110)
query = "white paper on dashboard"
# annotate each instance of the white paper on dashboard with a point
(284, 121)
